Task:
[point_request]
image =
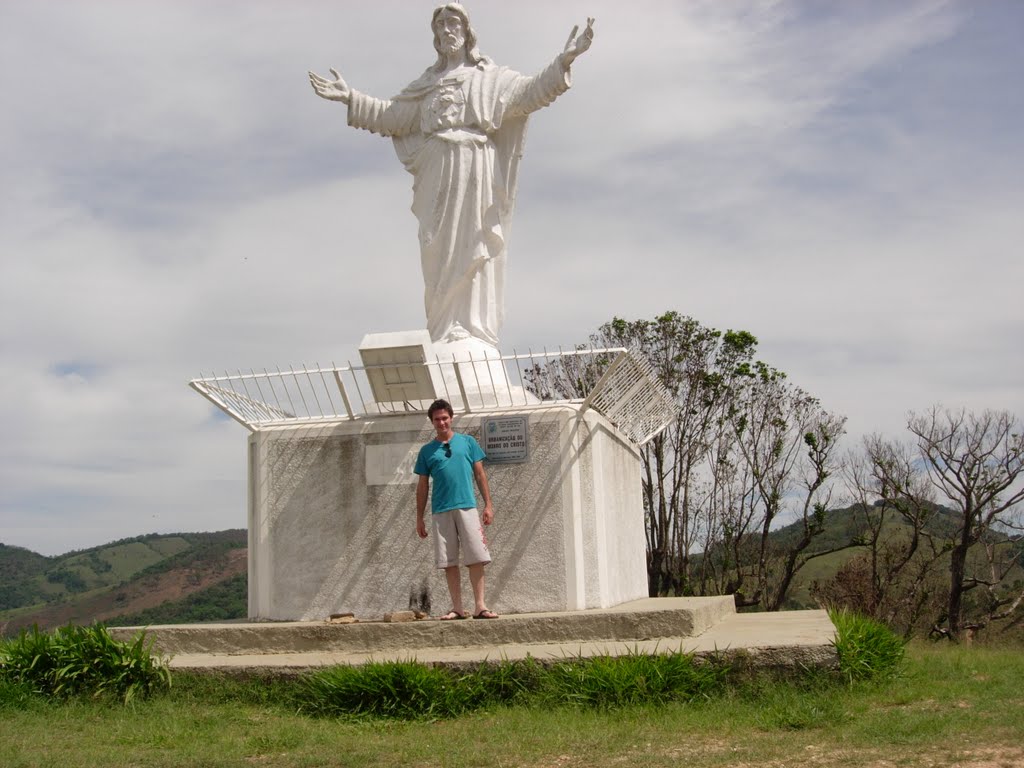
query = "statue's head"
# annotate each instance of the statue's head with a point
(451, 28)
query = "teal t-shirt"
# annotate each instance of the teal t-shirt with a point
(452, 476)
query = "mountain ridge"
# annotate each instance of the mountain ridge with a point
(124, 578)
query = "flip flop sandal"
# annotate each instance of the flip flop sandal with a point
(453, 616)
(486, 613)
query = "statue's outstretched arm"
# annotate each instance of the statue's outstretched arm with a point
(574, 46)
(332, 90)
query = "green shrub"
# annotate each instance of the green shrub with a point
(867, 649)
(74, 661)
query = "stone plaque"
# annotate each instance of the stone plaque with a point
(505, 439)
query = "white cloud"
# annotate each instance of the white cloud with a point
(176, 200)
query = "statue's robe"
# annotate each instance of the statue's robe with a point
(461, 136)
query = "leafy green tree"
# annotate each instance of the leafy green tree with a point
(776, 458)
(72, 580)
(746, 449)
(699, 366)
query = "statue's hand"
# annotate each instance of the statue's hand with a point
(333, 90)
(574, 46)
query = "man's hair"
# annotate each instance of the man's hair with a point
(439, 405)
(472, 52)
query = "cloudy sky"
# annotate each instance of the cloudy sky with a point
(843, 180)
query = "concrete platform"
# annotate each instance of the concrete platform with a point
(701, 625)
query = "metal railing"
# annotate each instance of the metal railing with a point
(615, 382)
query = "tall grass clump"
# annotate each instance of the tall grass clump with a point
(605, 682)
(77, 661)
(14, 696)
(867, 649)
(410, 691)
(506, 683)
(402, 690)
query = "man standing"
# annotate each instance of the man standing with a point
(452, 461)
(459, 129)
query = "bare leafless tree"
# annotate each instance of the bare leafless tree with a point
(975, 462)
(896, 578)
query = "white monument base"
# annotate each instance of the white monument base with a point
(332, 518)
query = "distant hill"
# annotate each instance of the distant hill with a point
(844, 526)
(841, 527)
(195, 577)
(170, 577)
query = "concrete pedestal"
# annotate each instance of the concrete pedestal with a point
(332, 518)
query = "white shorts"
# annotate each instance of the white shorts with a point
(459, 527)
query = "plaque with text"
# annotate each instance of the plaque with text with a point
(505, 439)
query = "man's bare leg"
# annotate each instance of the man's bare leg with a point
(476, 579)
(451, 574)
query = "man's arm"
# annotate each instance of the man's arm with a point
(485, 491)
(422, 491)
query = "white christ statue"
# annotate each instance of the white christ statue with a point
(459, 129)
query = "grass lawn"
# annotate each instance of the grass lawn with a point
(951, 706)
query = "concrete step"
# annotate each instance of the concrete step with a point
(636, 620)
(699, 625)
